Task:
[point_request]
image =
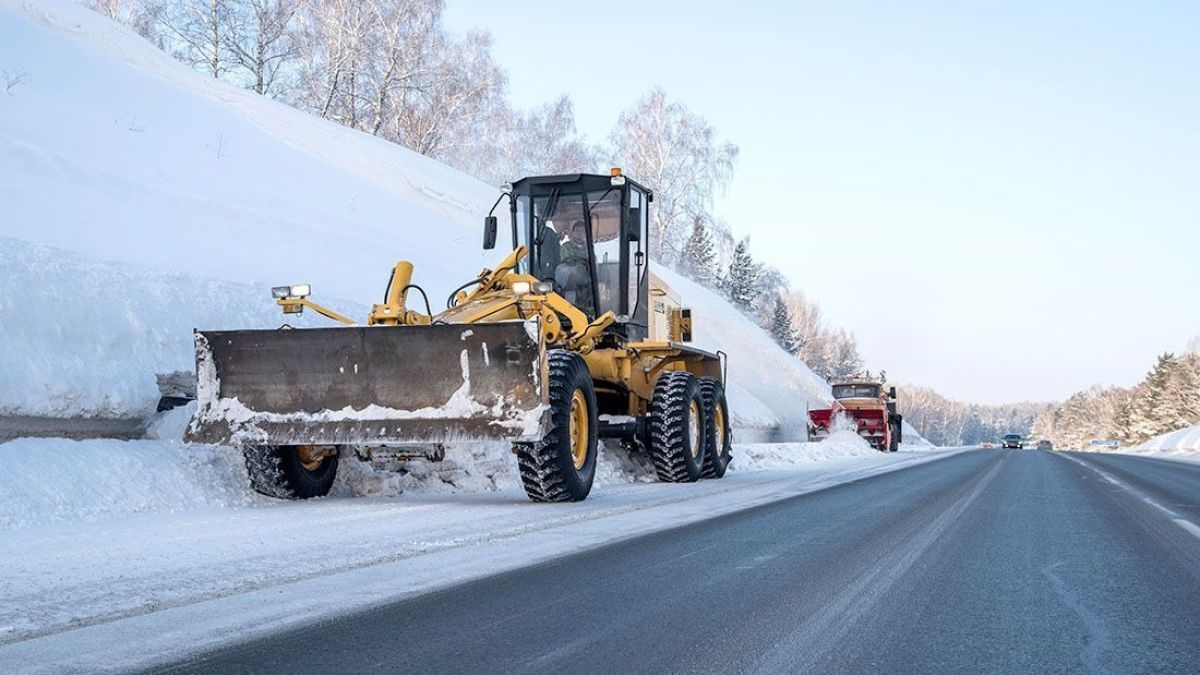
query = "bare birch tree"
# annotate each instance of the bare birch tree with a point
(667, 146)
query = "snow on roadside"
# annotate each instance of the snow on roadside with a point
(86, 338)
(1182, 444)
(57, 480)
(53, 480)
(838, 445)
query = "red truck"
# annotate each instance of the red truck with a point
(866, 408)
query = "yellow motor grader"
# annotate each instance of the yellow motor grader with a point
(569, 339)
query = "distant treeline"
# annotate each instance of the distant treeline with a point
(944, 421)
(1167, 400)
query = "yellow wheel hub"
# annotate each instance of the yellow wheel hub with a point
(694, 428)
(311, 456)
(578, 429)
(719, 424)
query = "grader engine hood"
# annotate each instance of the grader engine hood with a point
(390, 385)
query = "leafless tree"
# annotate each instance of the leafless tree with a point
(199, 32)
(260, 36)
(677, 152)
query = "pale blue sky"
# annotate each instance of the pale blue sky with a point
(1002, 200)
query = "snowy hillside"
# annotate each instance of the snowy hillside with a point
(1182, 444)
(198, 196)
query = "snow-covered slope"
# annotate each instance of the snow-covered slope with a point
(1183, 444)
(198, 196)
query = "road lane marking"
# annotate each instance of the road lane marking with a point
(1187, 525)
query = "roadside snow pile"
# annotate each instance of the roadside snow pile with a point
(56, 480)
(86, 338)
(50, 479)
(838, 445)
(913, 441)
(1182, 444)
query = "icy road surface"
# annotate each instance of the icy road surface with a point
(163, 562)
(987, 561)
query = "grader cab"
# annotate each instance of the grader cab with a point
(569, 339)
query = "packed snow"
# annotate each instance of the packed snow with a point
(189, 198)
(57, 480)
(1182, 444)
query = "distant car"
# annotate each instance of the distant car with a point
(1045, 445)
(1013, 441)
(987, 445)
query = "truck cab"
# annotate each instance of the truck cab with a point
(869, 409)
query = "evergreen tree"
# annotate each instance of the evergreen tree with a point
(700, 255)
(1153, 405)
(846, 360)
(1184, 386)
(741, 282)
(781, 326)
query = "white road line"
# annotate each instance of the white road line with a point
(1188, 526)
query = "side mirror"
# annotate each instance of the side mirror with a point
(633, 233)
(892, 392)
(489, 233)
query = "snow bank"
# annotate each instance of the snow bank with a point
(52, 480)
(1182, 444)
(56, 480)
(838, 445)
(86, 338)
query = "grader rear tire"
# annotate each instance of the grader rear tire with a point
(718, 448)
(677, 428)
(561, 467)
(290, 471)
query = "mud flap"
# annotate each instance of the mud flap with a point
(387, 385)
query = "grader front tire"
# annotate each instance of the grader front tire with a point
(561, 467)
(677, 428)
(290, 471)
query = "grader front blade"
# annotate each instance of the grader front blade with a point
(378, 386)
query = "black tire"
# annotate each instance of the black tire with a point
(548, 468)
(277, 471)
(894, 439)
(677, 456)
(718, 445)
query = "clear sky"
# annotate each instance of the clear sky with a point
(1002, 200)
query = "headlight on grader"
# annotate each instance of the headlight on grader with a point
(520, 288)
(543, 287)
(297, 291)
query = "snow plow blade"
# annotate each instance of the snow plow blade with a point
(375, 386)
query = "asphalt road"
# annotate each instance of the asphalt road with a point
(988, 561)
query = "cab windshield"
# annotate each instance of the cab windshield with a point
(577, 246)
(856, 391)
